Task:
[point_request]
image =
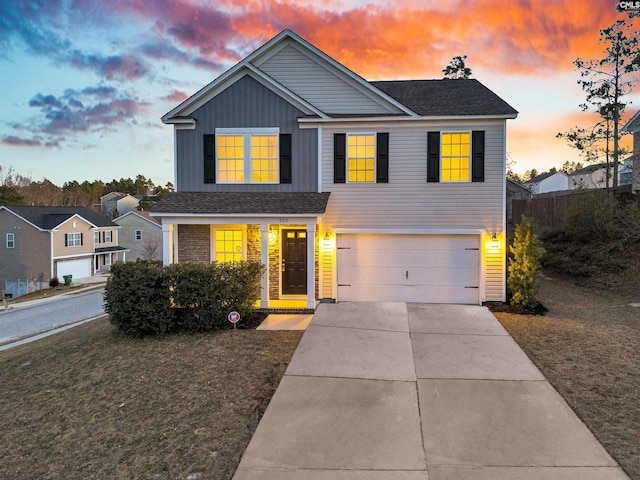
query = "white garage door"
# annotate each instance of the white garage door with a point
(76, 268)
(408, 268)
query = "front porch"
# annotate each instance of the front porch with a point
(289, 250)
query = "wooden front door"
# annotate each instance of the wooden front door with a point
(294, 262)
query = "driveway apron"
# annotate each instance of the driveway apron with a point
(414, 392)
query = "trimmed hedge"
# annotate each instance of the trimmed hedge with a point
(145, 298)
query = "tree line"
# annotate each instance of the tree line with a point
(17, 189)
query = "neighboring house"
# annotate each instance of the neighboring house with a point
(633, 126)
(46, 242)
(548, 182)
(515, 191)
(116, 203)
(591, 176)
(346, 190)
(626, 171)
(141, 234)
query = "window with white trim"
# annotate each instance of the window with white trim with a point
(361, 158)
(228, 245)
(96, 237)
(107, 236)
(247, 156)
(456, 157)
(138, 235)
(11, 240)
(73, 239)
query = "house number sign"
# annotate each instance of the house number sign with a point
(234, 317)
(284, 220)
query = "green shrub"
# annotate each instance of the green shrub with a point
(145, 298)
(137, 299)
(523, 281)
(207, 293)
(54, 282)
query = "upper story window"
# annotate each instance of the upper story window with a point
(11, 240)
(73, 239)
(247, 157)
(138, 235)
(107, 236)
(96, 237)
(361, 158)
(456, 157)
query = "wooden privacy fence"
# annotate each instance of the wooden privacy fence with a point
(551, 210)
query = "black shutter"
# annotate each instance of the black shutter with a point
(433, 156)
(339, 157)
(382, 158)
(66, 239)
(209, 158)
(81, 239)
(285, 158)
(477, 156)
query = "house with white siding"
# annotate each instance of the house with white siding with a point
(345, 189)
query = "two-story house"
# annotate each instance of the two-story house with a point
(141, 234)
(45, 242)
(347, 190)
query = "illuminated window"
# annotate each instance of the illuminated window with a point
(264, 158)
(456, 157)
(248, 157)
(361, 158)
(231, 158)
(228, 245)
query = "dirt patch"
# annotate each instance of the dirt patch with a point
(90, 403)
(588, 346)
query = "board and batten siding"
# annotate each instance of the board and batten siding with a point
(409, 202)
(246, 104)
(319, 85)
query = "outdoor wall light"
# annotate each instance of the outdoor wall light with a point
(494, 240)
(272, 235)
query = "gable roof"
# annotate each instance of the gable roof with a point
(446, 97)
(146, 216)
(48, 218)
(241, 203)
(407, 98)
(591, 169)
(633, 125)
(543, 176)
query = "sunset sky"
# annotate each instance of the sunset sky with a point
(83, 83)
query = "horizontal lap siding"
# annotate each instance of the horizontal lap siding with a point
(319, 86)
(408, 201)
(247, 104)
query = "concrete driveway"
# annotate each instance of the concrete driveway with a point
(400, 391)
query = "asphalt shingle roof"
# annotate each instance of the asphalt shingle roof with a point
(258, 203)
(50, 217)
(446, 97)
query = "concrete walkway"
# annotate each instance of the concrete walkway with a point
(414, 392)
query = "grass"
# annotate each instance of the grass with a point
(91, 403)
(588, 347)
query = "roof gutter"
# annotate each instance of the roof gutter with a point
(315, 121)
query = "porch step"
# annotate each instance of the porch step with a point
(299, 311)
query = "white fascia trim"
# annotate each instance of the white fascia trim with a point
(262, 54)
(238, 215)
(137, 215)
(226, 80)
(629, 125)
(23, 219)
(79, 256)
(314, 122)
(412, 231)
(79, 217)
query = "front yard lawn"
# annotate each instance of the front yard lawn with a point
(91, 403)
(588, 346)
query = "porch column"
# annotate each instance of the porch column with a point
(264, 259)
(167, 253)
(311, 265)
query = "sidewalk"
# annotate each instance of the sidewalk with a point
(415, 392)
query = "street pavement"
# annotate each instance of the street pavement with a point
(21, 321)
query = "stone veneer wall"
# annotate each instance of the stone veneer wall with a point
(253, 243)
(274, 268)
(194, 243)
